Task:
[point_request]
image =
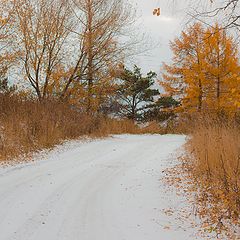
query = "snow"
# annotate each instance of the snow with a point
(108, 189)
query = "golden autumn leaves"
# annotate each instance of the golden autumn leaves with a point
(157, 12)
(205, 70)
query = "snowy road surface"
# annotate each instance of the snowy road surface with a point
(97, 190)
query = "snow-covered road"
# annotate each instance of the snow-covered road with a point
(105, 189)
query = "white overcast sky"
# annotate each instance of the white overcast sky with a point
(162, 29)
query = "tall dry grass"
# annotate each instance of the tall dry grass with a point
(27, 125)
(108, 126)
(214, 163)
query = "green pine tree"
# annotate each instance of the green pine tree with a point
(135, 92)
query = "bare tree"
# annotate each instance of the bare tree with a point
(229, 10)
(226, 12)
(101, 28)
(41, 30)
(71, 47)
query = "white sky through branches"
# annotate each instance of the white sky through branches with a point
(159, 29)
(174, 16)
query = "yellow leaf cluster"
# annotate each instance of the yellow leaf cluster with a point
(205, 70)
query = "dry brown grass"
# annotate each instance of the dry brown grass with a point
(108, 126)
(152, 128)
(214, 164)
(27, 125)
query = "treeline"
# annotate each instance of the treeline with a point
(74, 52)
(63, 74)
(66, 49)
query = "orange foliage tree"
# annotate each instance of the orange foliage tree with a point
(204, 71)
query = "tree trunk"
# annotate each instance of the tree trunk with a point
(200, 95)
(89, 56)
